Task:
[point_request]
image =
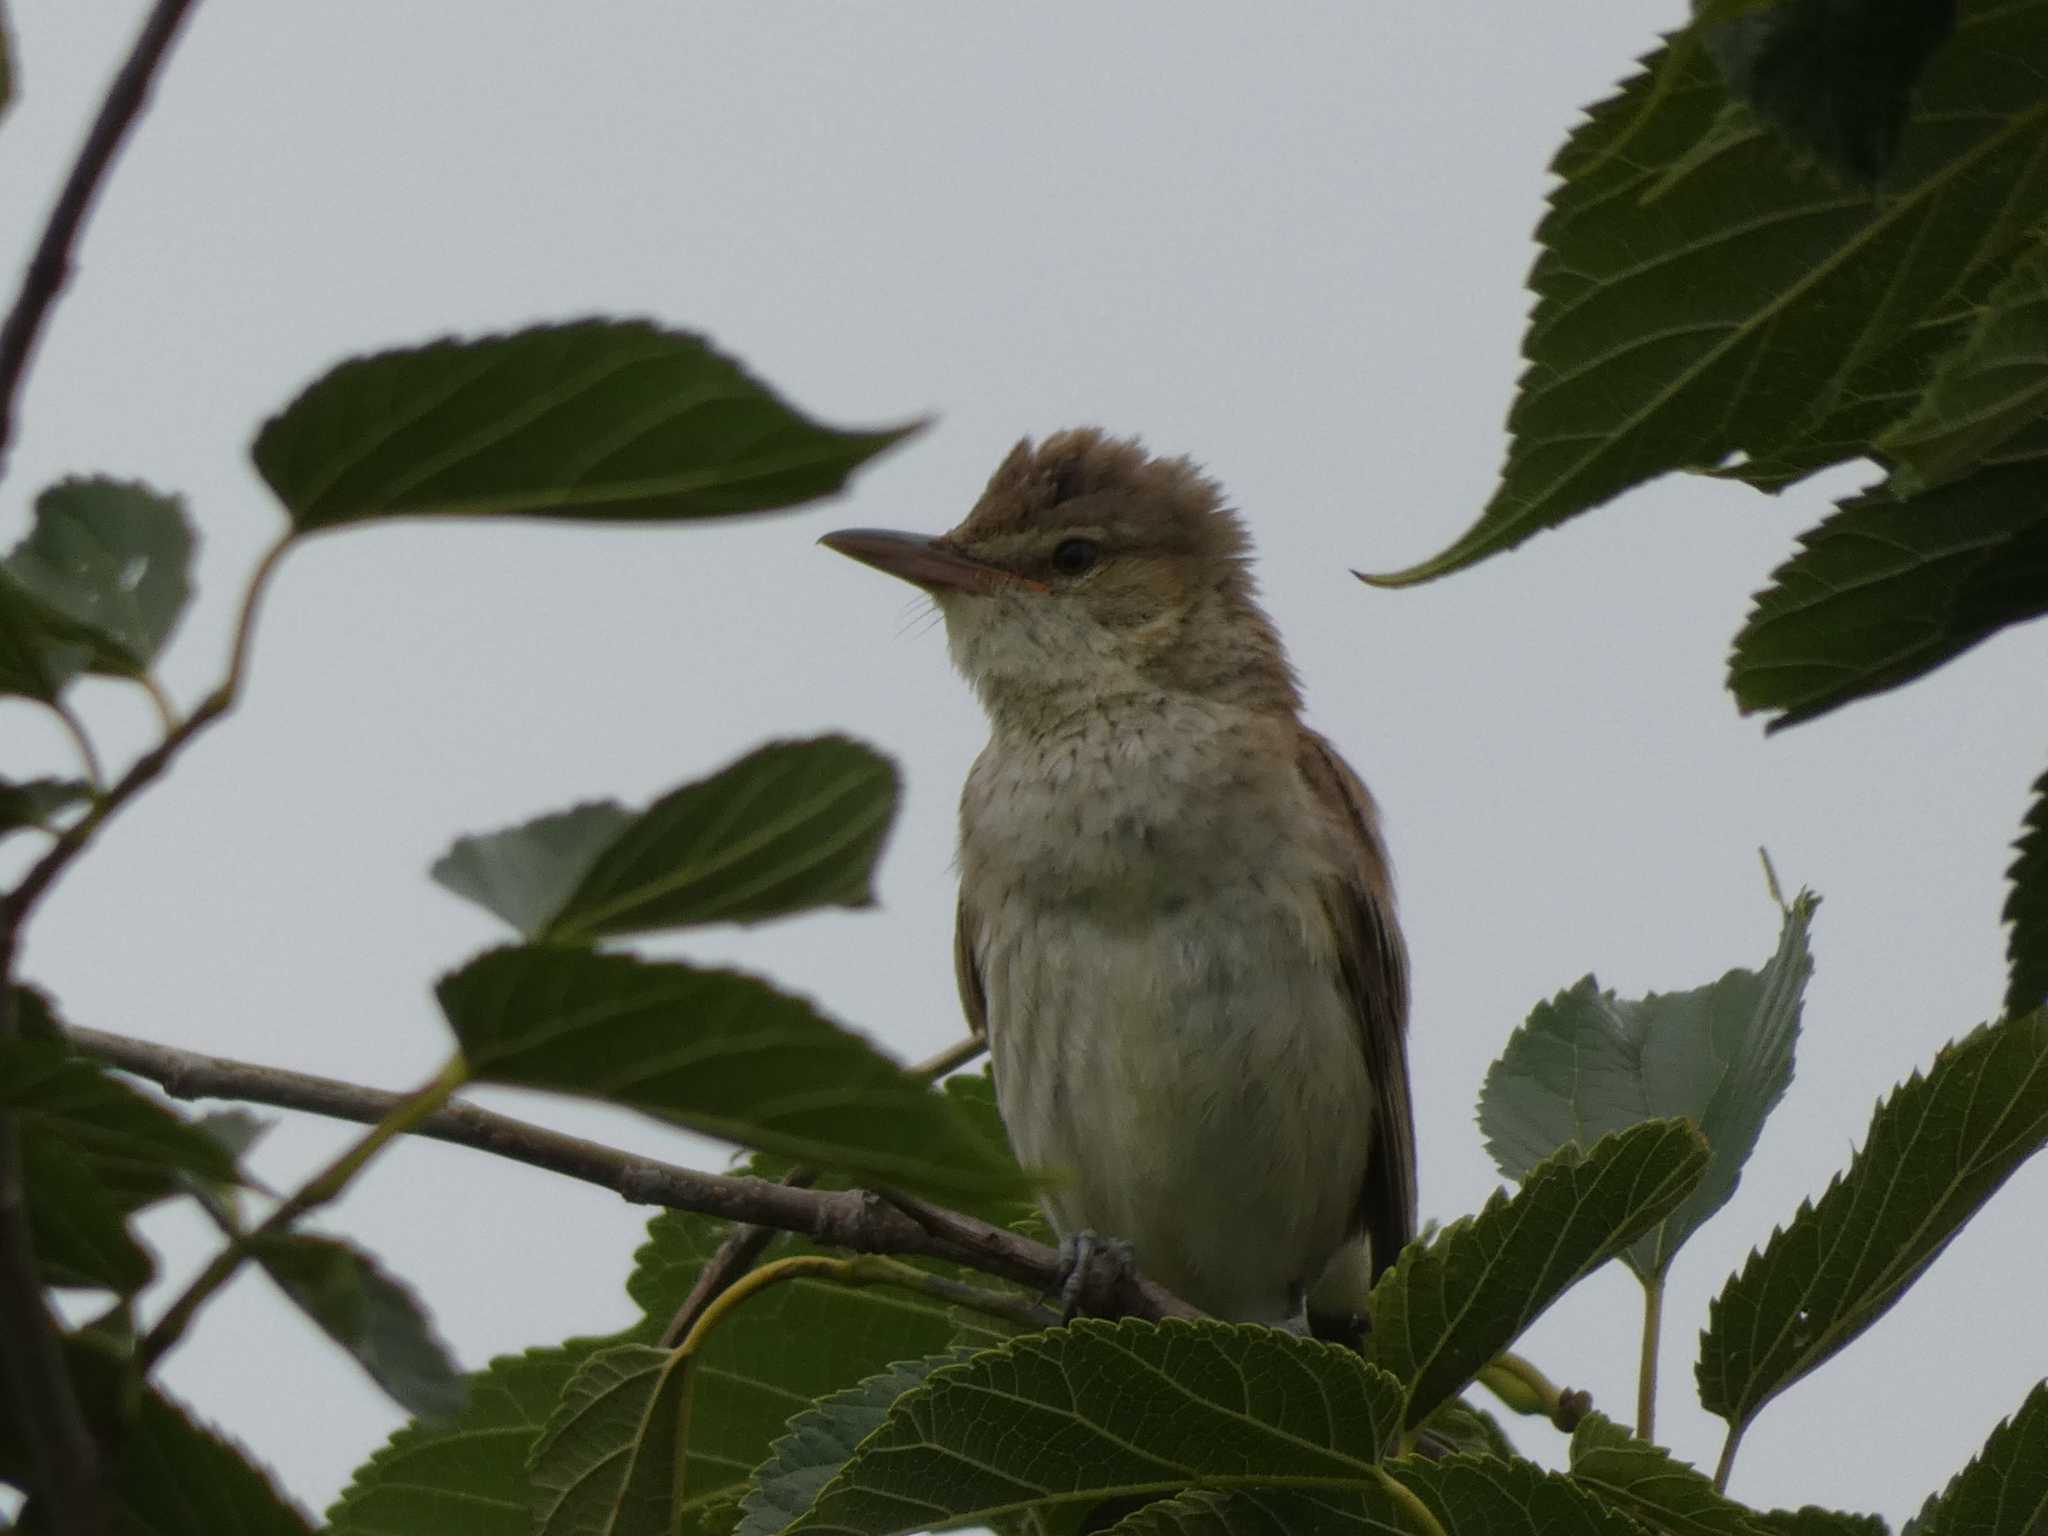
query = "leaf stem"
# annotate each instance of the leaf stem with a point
(75, 729)
(1406, 1500)
(317, 1191)
(166, 711)
(1646, 1372)
(1726, 1464)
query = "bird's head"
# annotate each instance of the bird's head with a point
(1090, 570)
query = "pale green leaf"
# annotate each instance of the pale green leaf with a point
(1588, 1063)
(1937, 1149)
(598, 420)
(526, 873)
(1454, 1302)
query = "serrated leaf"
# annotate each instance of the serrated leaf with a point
(598, 420)
(1269, 1512)
(609, 1462)
(1097, 1410)
(27, 803)
(1588, 1063)
(369, 1313)
(465, 1476)
(1835, 77)
(1885, 590)
(791, 826)
(1700, 296)
(722, 1053)
(1451, 1304)
(1479, 1496)
(1649, 1483)
(114, 558)
(2026, 908)
(1986, 389)
(1812, 1520)
(526, 873)
(2004, 1489)
(1937, 1149)
(1462, 1426)
(820, 1441)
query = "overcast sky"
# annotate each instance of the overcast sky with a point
(1287, 241)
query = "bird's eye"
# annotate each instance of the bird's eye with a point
(1075, 556)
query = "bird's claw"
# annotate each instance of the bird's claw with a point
(1092, 1269)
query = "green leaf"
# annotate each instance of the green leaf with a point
(114, 558)
(2027, 910)
(1099, 1410)
(367, 1312)
(1462, 1426)
(791, 826)
(1649, 1483)
(464, 1476)
(1886, 590)
(609, 1462)
(2004, 1489)
(1984, 390)
(599, 420)
(821, 1440)
(1835, 77)
(1700, 296)
(1588, 1063)
(1478, 1495)
(1812, 1520)
(722, 1053)
(1452, 1303)
(40, 651)
(1938, 1148)
(34, 802)
(80, 1232)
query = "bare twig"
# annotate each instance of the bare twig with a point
(852, 1218)
(51, 264)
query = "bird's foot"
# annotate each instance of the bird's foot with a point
(1093, 1268)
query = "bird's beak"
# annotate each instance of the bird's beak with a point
(923, 561)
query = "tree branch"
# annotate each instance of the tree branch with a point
(51, 264)
(853, 1218)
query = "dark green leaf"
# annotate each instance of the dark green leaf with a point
(1479, 1496)
(1886, 590)
(609, 1462)
(722, 1053)
(33, 802)
(1271, 1512)
(599, 420)
(793, 825)
(40, 651)
(465, 1476)
(1449, 1305)
(1937, 1148)
(368, 1313)
(1588, 1063)
(821, 1440)
(1812, 1520)
(1701, 297)
(2027, 910)
(1834, 76)
(2004, 1490)
(1648, 1482)
(1461, 1426)
(80, 1232)
(526, 873)
(113, 558)
(1097, 1410)
(1985, 390)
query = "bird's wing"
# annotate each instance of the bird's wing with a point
(973, 1000)
(1374, 962)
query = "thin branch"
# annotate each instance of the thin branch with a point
(51, 265)
(849, 1218)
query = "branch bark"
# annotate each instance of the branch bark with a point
(855, 1219)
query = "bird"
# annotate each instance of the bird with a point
(1176, 923)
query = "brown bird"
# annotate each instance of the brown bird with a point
(1176, 920)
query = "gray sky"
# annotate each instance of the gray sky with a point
(1290, 242)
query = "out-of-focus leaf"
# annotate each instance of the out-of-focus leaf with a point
(369, 1313)
(722, 1053)
(1937, 1149)
(1835, 77)
(114, 558)
(40, 651)
(2027, 910)
(80, 1232)
(1648, 1482)
(1812, 1520)
(1097, 1411)
(1886, 590)
(1588, 1063)
(599, 420)
(1451, 1304)
(791, 826)
(2004, 1489)
(1701, 297)
(33, 802)
(464, 1476)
